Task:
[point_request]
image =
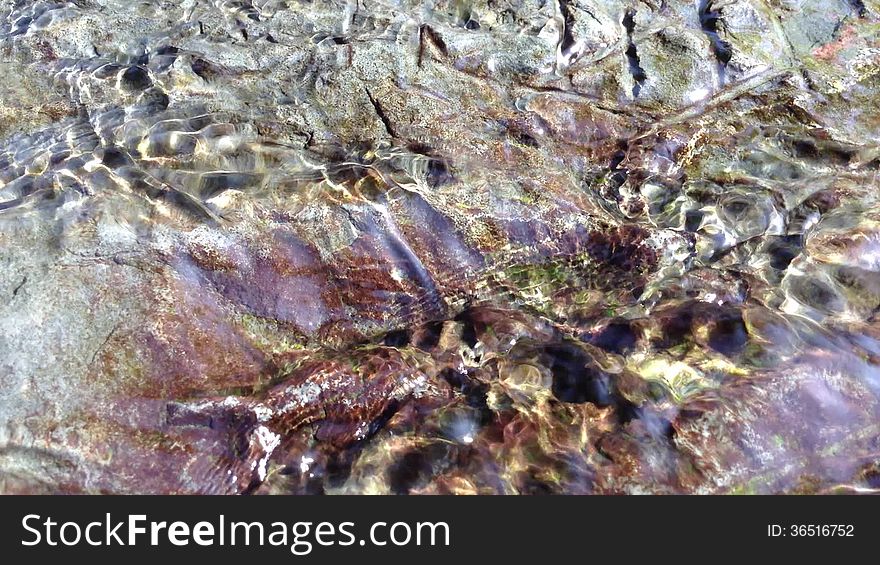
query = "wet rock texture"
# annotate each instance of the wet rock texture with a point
(507, 246)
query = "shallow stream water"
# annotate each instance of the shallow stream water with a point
(517, 246)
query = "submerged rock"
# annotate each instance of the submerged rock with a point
(445, 247)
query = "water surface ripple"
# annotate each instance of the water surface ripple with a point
(387, 246)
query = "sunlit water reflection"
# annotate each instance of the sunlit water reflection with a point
(271, 247)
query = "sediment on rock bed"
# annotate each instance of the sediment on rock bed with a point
(527, 247)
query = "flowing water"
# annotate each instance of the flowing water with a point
(515, 246)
